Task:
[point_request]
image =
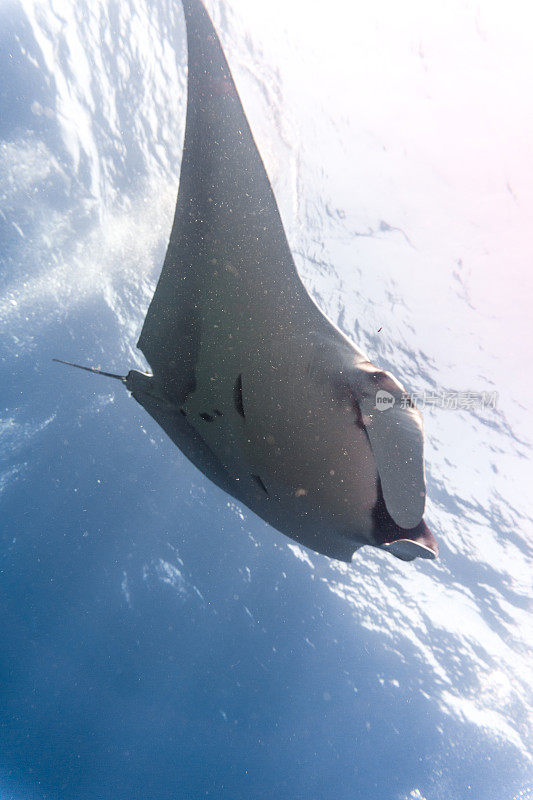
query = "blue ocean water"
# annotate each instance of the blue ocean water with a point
(157, 640)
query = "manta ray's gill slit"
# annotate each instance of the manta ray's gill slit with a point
(206, 417)
(237, 396)
(257, 479)
(217, 413)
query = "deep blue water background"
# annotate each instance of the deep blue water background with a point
(157, 641)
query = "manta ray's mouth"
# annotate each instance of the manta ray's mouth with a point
(388, 535)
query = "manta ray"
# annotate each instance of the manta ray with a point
(251, 381)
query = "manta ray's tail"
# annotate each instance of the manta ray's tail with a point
(92, 369)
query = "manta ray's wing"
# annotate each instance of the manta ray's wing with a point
(396, 435)
(226, 218)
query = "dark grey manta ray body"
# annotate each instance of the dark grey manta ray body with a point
(250, 380)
